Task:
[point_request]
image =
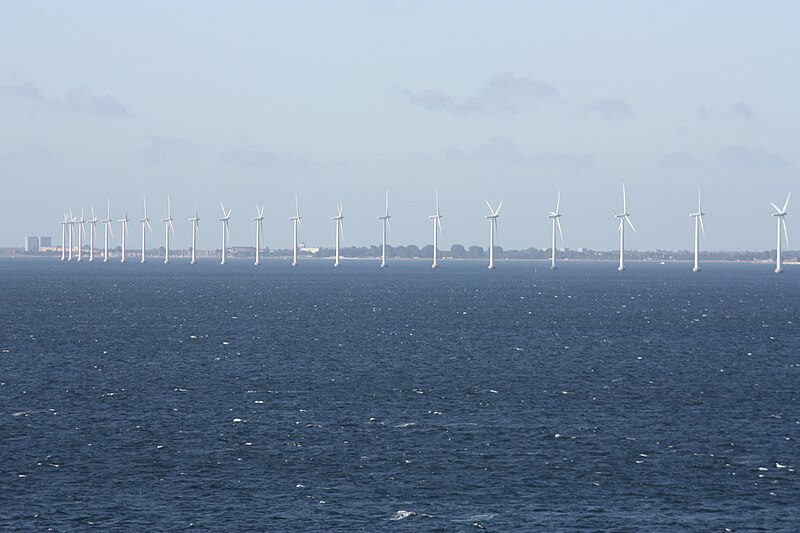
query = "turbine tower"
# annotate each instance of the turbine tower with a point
(492, 216)
(385, 221)
(167, 227)
(107, 223)
(698, 225)
(296, 226)
(81, 232)
(623, 217)
(556, 217)
(437, 225)
(781, 215)
(195, 220)
(339, 232)
(92, 232)
(63, 225)
(259, 220)
(124, 232)
(71, 222)
(226, 217)
(145, 222)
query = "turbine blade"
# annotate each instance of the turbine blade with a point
(387, 203)
(630, 223)
(439, 224)
(388, 225)
(437, 201)
(171, 226)
(786, 203)
(775, 206)
(92, 207)
(490, 207)
(111, 228)
(144, 201)
(558, 223)
(498, 208)
(108, 208)
(558, 203)
(624, 200)
(223, 209)
(785, 233)
(148, 224)
(702, 227)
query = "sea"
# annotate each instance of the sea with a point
(152, 397)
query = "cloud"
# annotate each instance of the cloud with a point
(574, 162)
(677, 160)
(161, 149)
(82, 101)
(256, 157)
(495, 150)
(613, 110)
(34, 153)
(505, 94)
(27, 91)
(742, 110)
(432, 99)
(746, 157)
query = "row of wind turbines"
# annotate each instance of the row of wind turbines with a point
(69, 223)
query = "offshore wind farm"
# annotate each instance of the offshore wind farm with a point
(69, 222)
(399, 266)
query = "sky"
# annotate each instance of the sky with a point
(248, 102)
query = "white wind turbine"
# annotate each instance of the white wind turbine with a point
(63, 225)
(437, 225)
(81, 232)
(623, 217)
(259, 220)
(71, 222)
(781, 216)
(296, 226)
(492, 216)
(145, 222)
(195, 220)
(107, 224)
(698, 226)
(124, 232)
(167, 227)
(92, 232)
(385, 222)
(339, 232)
(226, 217)
(556, 217)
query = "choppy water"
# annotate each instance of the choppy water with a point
(146, 398)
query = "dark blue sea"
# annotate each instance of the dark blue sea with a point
(170, 397)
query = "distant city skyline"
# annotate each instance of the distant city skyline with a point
(506, 101)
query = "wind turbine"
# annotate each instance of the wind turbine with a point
(556, 217)
(81, 231)
(259, 220)
(226, 217)
(167, 227)
(92, 232)
(492, 216)
(107, 223)
(623, 217)
(385, 218)
(698, 225)
(339, 231)
(71, 223)
(63, 225)
(124, 233)
(437, 225)
(145, 222)
(781, 215)
(195, 220)
(296, 225)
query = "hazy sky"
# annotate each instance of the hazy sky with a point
(247, 102)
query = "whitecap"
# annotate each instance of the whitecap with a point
(400, 514)
(778, 465)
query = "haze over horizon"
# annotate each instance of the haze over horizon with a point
(245, 103)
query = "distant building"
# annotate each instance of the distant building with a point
(31, 244)
(45, 242)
